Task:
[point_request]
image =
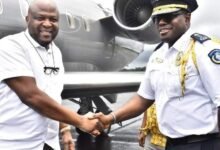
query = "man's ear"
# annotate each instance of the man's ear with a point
(188, 18)
(27, 18)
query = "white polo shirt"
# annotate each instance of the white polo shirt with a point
(194, 113)
(22, 128)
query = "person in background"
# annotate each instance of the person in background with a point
(31, 83)
(182, 78)
(66, 139)
(150, 136)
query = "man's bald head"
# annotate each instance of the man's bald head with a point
(42, 21)
(46, 4)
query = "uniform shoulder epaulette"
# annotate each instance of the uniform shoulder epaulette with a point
(200, 37)
(158, 46)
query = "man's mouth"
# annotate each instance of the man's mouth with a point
(164, 30)
(46, 33)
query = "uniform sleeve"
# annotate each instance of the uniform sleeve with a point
(208, 61)
(13, 60)
(145, 89)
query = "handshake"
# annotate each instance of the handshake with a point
(94, 124)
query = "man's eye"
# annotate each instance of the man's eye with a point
(40, 18)
(53, 19)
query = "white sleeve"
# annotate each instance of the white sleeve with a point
(145, 89)
(209, 69)
(13, 60)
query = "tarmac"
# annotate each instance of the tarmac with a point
(123, 137)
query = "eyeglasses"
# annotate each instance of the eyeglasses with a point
(50, 70)
(167, 17)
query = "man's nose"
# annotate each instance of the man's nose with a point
(159, 20)
(47, 23)
(162, 21)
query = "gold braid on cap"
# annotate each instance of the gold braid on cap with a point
(169, 7)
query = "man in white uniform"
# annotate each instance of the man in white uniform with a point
(182, 78)
(31, 76)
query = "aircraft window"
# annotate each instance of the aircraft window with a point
(86, 24)
(1, 7)
(24, 4)
(69, 23)
(71, 20)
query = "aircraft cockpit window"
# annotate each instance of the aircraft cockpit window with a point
(86, 24)
(24, 4)
(1, 7)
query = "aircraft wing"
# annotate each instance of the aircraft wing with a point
(78, 84)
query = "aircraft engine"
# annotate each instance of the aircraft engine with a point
(134, 17)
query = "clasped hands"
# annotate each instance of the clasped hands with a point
(94, 124)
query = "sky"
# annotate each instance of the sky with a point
(105, 3)
(215, 3)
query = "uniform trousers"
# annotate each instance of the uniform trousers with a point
(209, 143)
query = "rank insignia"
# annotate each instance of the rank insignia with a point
(200, 37)
(214, 55)
(178, 58)
(159, 60)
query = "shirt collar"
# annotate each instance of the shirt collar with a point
(35, 43)
(183, 42)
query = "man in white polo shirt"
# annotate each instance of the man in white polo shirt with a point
(31, 75)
